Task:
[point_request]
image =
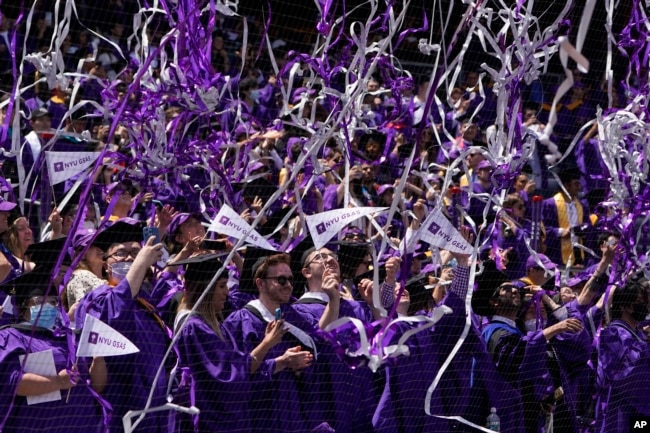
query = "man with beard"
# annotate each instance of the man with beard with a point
(521, 358)
(282, 398)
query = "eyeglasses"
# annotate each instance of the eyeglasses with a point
(282, 280)
(350, 236)
(322, 257)
(123, 254)
(53, 301)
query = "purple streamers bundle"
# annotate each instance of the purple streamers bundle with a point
(194, 135)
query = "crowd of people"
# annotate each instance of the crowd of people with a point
(556, 337)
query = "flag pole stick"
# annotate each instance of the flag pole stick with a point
(74, 367)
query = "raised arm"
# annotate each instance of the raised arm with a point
(147, 256)
(598, 281)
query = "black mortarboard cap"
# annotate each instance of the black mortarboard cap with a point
(203, 268)
(569, 172)
(47, 253)
(274, 221)
(252, 259)
(30, 284)
(123, 230)
(370, 275)
(486, 284)
(299, 254)
(259, 187)
(419, 296)
(351, 254)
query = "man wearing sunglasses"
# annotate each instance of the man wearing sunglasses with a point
(283, 392)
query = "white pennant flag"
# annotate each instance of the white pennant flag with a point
(438, 231)
(8, 306)
(64, 165)
(232, 224)
(323, 226)
(99, 339)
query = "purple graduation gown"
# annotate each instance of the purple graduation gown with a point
(346, 395)
(573, 351)
(551, 223)
(623, 377)
(80, 414)
(522, 362)
(469, 387)
(284, 401)
(517, 241)
(220, 378)
(131, 377)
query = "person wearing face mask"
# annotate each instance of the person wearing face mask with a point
(38, 335)
(129, 379)
(624, 361)
(255, 101)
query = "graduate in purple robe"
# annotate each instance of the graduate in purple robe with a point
(346, 394)
(469, 386)
(521, 358)
(9, 265)
(39, 330)
(624, 361)
(574, 351)
(280, 398)
(513, 230)
(130, 378)
(483, 186)
(216, 374)
(566, 219)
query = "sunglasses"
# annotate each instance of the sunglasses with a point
(282, 280)
(350, 236)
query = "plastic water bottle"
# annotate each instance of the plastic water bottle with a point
(493, 421)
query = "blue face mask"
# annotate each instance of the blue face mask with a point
(255, 95)
(46, 319)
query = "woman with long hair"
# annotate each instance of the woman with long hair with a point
(215, 370)
(17, 239)
(89, 273)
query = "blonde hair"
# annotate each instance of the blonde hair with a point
(12, 241)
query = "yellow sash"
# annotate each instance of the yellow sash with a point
(563, 223)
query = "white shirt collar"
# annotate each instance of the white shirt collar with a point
(321, 296)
